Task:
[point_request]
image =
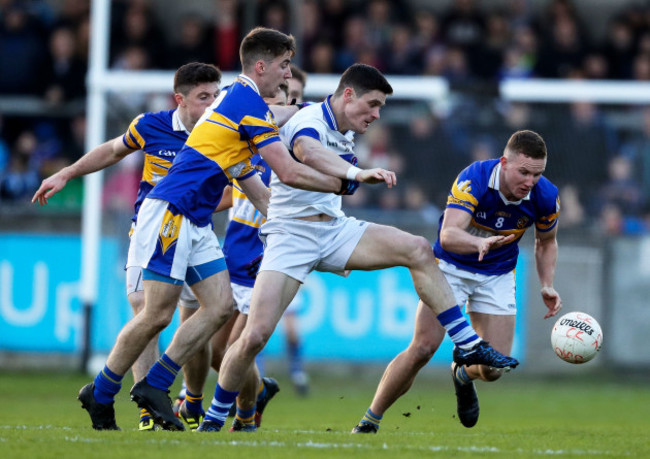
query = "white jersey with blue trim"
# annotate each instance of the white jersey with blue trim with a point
(318, 122)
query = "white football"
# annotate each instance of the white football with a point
(576, 337)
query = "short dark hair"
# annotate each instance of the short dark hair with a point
(363, 78)
(299, 74)
(265, 44)
(190, 75)
(527, 143)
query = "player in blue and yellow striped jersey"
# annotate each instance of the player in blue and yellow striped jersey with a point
(243, 253)
(490, 206)
(160, 136)
(174, 241)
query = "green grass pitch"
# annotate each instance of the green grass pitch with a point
(520, 417)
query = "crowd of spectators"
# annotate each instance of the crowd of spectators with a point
(602, 169)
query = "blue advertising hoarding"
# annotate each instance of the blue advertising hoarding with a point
(366, 317)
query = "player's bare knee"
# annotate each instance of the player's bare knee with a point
(420, 252)
(136, 300)
(254, 341)
(422, 350)
(159, 322)
(219, 316)
(421, 353)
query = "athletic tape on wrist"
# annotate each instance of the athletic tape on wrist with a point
(352, 172)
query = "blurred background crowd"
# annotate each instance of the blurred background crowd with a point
(598, 155)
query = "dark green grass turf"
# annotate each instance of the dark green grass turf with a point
(520, 417)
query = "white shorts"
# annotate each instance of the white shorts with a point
(168, 243)
(487, 294)
(297, 247)
(242, 296)
(134, 284)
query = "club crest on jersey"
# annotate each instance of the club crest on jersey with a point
(523, 222)
(269, 117)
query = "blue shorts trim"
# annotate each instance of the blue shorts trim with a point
(199, 272)
(147, 274)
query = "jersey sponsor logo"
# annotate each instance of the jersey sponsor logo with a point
(240, 169)
(480, 232)
(338, 146)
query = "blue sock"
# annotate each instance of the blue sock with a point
(194, 402)
(221, 403)
(246, 416)
(107, 384)
(144, 415)
(458, 329)
(162, 374)
(371, 418)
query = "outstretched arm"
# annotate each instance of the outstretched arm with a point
(98, 158)
(294, 174)
(312, 153)
(546, 249)
(454, 236)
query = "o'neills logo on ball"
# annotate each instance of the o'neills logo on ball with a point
(583, 326)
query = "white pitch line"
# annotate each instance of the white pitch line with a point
(310, 444)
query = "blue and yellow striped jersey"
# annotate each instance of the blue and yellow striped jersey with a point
(476, 190)
(218, 150)
(160, 136)
(242, 243)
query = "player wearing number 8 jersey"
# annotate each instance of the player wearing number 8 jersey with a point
(476, 191)
(490, 206)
